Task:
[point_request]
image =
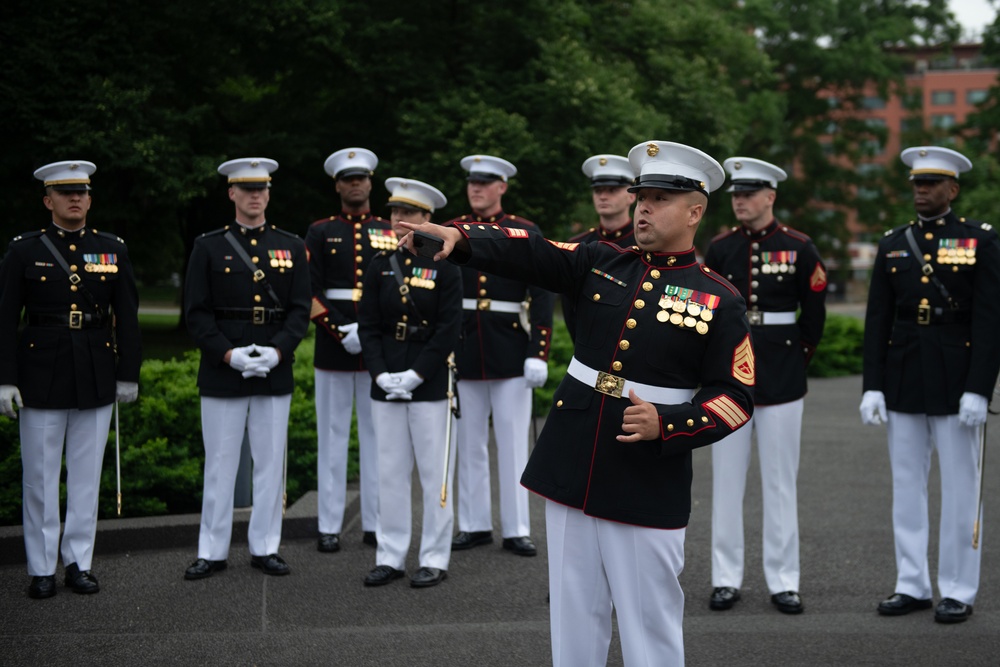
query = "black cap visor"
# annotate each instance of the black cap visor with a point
(748, 186)
(928, 178)
(70, 187)
(483, 177)
(353, 171)
(668, 182)
(610, 182)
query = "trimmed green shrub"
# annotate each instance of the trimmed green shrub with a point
(162, 455)
(841, 350)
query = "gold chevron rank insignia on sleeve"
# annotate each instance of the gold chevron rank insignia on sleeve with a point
(515, 233)
(727, 410)
(817, 281)
(564, 246)
(317, 309)
(743, 362)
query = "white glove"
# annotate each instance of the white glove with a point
(536, 372)
(126, 392)
(399, 395)
(240, 359)
(350, 341)
(387, 382)
(408, 380)
(873, 408)
(256, 369)
(9, 395)
(268, 358)
(972, 409)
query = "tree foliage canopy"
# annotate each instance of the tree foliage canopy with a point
(159, 95)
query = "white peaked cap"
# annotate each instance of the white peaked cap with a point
(934, 161)
(351, 162)
(249, 171)
(69, 175)
(748, 174)
(608, 170)
(408, 193)
(488, 168)
(671, 166)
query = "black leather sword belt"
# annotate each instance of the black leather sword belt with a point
(257, 314)
(404, 331)
(74, 319)
(933, 315)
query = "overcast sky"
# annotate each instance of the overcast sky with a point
(974, 15)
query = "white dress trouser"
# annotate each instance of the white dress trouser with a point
(595, 565)
(912, 437)
(223, 421)
(408, 432)
(779, 435)
(43, 432)
(510, 402)
(336, 394)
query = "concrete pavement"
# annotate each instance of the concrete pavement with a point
(491, 610)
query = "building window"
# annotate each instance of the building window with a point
(942, 97)
(911, 124)
(872, 102)
(977, 96)
(943, 121)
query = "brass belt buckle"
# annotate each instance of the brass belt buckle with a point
(756, 317)
(400, 330)
(609, 384)
(483, 304)
(923, 314)
(258, 275)
(258, 315)
(356, 294)
(75, 319)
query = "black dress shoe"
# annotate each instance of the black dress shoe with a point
(723, 597)
(952, 611)
(272, 564)
(328, 543)
(899, 604)
(466, 540)
(381, 575)
(788, 602)
(369, 538)
(522, 546)
(81, 582)
(42, 587)
(201, 568)
(427, 576)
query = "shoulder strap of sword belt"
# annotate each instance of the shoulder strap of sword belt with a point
(74, 278)
(258, 274)
(404, 289)
(927, 269)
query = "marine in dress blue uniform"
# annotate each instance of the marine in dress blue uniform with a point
(779, 273)
(340, 249)
(610, 177)
(931, 358)
(663, 364)
(246, 303)
(410, 318)
(77, 355)
(506, 336)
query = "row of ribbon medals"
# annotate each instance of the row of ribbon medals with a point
(782, 261)
(956, 251)
(280, 259)
(687, 308)
(102, 263)
(382, 239)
